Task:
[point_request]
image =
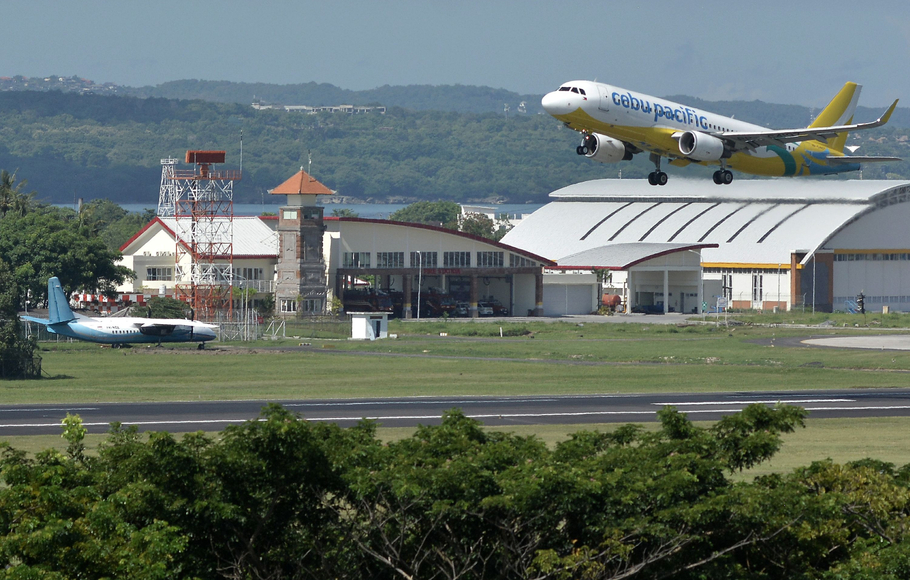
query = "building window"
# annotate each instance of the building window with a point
(288, 306)
(390, 259)
(159, 274)
(756, 288)
(489, 259)
(311, 305)
(726, 283)
(356, 260)
(289, 214)
(456, 259)
(251, 274)
(424, 260)
(516, 261)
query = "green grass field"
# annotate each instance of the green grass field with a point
(538, 358)
(533, 358)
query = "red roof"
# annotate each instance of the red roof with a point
(301, 183)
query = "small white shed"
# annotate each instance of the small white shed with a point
(369, 325)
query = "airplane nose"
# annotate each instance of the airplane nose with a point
(559, 102)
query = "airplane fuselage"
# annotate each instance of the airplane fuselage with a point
(652, 124)
(133, 330)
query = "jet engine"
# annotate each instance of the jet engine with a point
(702, 147)
(604, 149)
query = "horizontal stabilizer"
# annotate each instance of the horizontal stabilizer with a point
(845, 159)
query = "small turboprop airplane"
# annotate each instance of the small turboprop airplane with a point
(617, 123)
(117, 331)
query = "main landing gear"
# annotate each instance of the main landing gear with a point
(657, 177)
(723, 177)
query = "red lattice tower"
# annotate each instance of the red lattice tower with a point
(204, 212)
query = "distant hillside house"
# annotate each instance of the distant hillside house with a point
(348, 109)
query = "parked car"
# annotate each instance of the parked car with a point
(461, 309)
(498, 308)
(484, 309)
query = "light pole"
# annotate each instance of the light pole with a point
(419, 280)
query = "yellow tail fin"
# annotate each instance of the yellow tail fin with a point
(841, 107)
(838, 143)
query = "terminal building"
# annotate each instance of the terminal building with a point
(687, 247)
(306, 259)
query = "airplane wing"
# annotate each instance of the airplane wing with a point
(844, 159)
(43, 321)
(158, 328)
(744, 140)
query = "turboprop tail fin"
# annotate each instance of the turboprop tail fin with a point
(57, 305)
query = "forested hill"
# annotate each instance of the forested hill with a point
(455, 98)
(467, 99)
(69, 145)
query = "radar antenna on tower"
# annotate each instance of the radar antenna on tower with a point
(204, 217)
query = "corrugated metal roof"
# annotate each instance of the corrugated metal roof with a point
(251, 236)
(757, 221)
(622, 256)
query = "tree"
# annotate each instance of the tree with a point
(42, 244)
(164, 307)
(113, 224)
(17, 355)
(12, 198)
(281, 497)
(477, 224)
(435, 213)
(344, 213)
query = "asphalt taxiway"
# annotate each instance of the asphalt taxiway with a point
(491, 410)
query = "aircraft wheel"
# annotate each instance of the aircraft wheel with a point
(579, 151)
(727, 177)
(652, 178)
(661, 178)
(201, 346)
(717, 178)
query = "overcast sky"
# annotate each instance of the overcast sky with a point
(798, 52)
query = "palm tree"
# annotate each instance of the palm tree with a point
(12, 198)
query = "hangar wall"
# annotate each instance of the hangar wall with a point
(872, 256)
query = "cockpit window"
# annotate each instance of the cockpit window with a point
(582, 91)
(563, 88)
(574, 90)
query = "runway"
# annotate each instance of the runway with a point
(498, 411)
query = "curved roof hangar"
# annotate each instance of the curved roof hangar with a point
(756, 222)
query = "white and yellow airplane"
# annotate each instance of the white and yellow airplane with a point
(617, 123)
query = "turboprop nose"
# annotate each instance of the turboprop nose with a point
(560, 102)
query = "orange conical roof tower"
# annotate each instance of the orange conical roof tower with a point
(301, 183)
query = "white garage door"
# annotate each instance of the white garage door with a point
(559, 299)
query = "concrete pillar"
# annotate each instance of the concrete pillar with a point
(472, 308)
(339, 286)
(666, 291)
(406, 305)
(538, 294)
(701, 291)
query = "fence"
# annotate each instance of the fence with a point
(20, 367)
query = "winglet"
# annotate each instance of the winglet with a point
(884, 118)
